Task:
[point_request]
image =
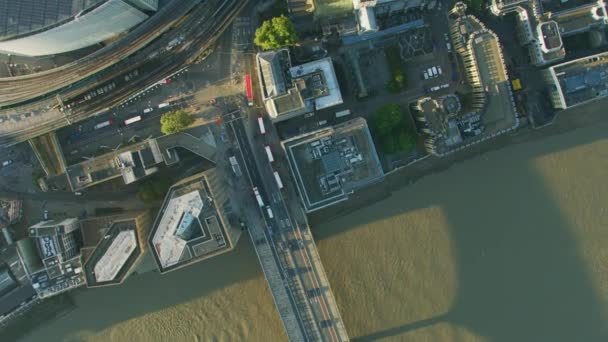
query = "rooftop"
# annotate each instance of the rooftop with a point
(57, 247)
(191, 225)
(139, 160)
(500, 110)
(114, 255)
(551, 39)
(580, 19)
(331, 163)
(21, 17)
(291, 91)
(131, 162)
(582, 80)
(321, 81)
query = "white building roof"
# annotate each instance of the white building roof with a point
(367, 19)
(102, 23)
(169, 247)
(327, 67)
(115, 256)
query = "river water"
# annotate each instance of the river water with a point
(509, 246)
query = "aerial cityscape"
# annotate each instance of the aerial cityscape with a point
(303, 170)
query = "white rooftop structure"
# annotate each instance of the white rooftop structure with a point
(116, 256)
(102, 23)
(168, 245)
(326, 66)
(367, 20)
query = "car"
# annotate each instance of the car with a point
(439, 71)
(7, 162)
(45, 215)
(78, 193)
(425, 74)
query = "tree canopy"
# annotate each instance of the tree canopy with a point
(174, 122)
(276, 33)
(395, 65)
(392, 129)
(153, 189)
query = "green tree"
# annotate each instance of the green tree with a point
(153, 189)
(475, 6)
(175, 122)
(395, 65)
(392, 129)
(276, 33)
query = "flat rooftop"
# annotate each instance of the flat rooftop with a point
(331, 163)
(190, 226)
(500, 112)
(114, 256)
(556, 6)
(581, 18)
(323, 78)
(128, 162)
(551, 38)
(582, 80)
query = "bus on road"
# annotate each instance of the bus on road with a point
(277, 178)
(269, 153)
(258, 197)
(261, 124)
(132, 120)
(103, 124)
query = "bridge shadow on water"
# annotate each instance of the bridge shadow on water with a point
(519, 271)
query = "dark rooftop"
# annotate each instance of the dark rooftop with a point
(551, 36)
(13, 300)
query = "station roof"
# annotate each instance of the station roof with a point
(24, 16)
(103, 22)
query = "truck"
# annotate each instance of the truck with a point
(261, 124)
(269, 153)
(277, 178)
(258, 197)
(103, 124)
(163, 105)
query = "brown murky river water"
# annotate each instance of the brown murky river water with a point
(509, 246)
